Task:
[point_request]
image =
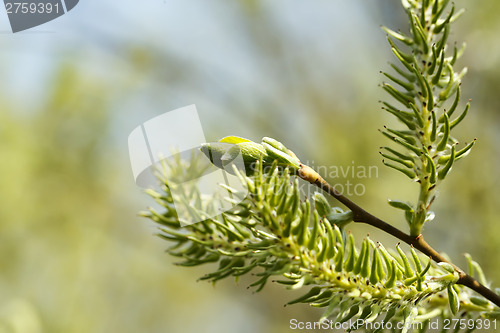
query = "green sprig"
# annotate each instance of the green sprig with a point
(424, 66)
(300, 246)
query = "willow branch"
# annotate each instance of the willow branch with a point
(418, 242)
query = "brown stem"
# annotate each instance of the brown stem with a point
(418, 242)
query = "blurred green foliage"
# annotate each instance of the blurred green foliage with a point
(73, 256)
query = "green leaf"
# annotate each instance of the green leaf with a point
(446, 266)
(321, 203)
(398, 36)
(340, 219)
(302, 299)
(400, 204)
(401, 97)
(408, 271)
(461, 117)
(439, 27)
(281, 157)
(434, 126)
(453, 299)
(446, 169)
(431, 169)
(446, 134)
(461, 153)
(391, 280)
(410, 174)
(377, 272)
(351, 256)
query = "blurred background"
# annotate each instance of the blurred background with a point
(74, 256)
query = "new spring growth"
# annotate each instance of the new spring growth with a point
(270, 152)
(425, 92)
(224, 152)
(300, 244)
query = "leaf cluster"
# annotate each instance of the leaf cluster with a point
(275, 235)
(427, 92)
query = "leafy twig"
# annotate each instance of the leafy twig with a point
(362, 216)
